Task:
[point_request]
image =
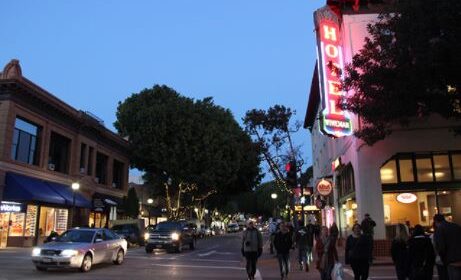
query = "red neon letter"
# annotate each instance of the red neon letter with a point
(331, 51)
(329, 33)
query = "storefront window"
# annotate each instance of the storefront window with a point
(456, 161)
(17, 224)
(97, 219)
(389, 173)
(424, 170)
(31, 218)
(406, 170)
(442, 168)
(422, 208)
(52, 219)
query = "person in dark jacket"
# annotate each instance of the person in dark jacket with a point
(421, 256)
(283, 242)
(359, 252)
(252, 248)
(326, 253)
(399, 252)
(448, 245)
(304, 243)
(368, 225)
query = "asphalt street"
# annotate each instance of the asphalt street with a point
(215, 258)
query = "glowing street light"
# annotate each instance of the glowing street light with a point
(149, 202)
(75, 187)
(274, 196)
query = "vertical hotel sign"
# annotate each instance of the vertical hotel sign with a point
(333, 121)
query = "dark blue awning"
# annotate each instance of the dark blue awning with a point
(67, 193)
(23, 188)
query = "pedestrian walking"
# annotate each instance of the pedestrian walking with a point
(448, 245)
(359, 252)
(326, 254)
(303, 240)
(311, 236)
(283, 242)
(272, 232)
(252, 248)
(368, 225)
(442, 270)
(421, 256)
(399, 251)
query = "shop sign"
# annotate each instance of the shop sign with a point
(12, 207)
(324, 187)
(406, 198)
(333, 120)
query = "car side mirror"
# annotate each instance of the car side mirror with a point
(98, 240)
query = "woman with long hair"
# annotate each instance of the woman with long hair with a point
(359, 252)
(326, 253)
(399, 251)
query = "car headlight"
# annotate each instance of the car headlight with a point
(69, 253)
(175, 236)
(146, 236)
(36, 252)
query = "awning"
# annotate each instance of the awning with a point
(24, 188)
(101, 201)
(67, 193)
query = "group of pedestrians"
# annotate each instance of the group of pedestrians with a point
(415, 256)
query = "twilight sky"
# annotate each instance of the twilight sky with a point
(92, 54)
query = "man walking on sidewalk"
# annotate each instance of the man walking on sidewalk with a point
(252, 248)
(304, 242)
(448, 245)
(283, 242)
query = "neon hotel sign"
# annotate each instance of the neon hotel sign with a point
(333, 121)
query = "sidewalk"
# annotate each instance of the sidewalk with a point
(269, 268)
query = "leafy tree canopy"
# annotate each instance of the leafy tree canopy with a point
(190, 143)
(131, 204)
(408, 68)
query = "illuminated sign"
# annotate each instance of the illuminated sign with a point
(406, 198)
(324, 187)
(333, 120)
(10, 207)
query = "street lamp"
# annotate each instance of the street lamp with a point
(149, 202)
(75, 187)
(274, 197)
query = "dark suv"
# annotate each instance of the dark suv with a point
(130, 232)
(172, 236)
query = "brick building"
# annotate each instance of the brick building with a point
(46, 146)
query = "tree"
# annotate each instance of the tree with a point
(131, 204)
(273, 134)
(189, 149)
(408, 68)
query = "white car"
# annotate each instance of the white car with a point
(80, 248)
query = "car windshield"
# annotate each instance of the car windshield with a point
(168, 226)
(83, 236)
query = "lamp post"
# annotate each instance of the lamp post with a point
(149, 202)
(75, 187)
(274, 197)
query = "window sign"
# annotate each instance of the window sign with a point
(333, 120)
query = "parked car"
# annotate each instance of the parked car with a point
(80, 248)
(172, 236)
(131, 233)
(233, 228)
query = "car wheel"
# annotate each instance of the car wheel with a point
(120, 256)
(40, 268)
(86, 263)
(149, 249)
(192, 244)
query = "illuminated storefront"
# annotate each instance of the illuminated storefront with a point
(34, 209)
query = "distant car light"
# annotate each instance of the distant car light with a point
(146, 236)
(175, 236)
(36, 252)
(69, 253)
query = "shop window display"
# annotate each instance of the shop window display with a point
(17, 224)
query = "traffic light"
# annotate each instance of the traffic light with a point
(291, 174)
